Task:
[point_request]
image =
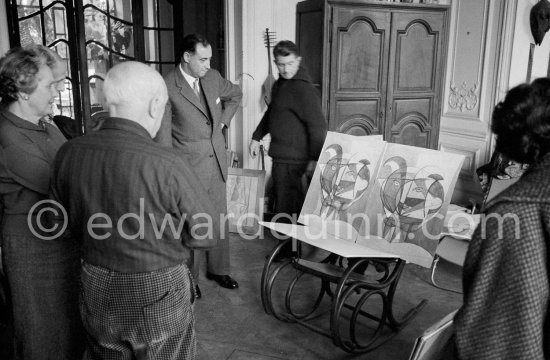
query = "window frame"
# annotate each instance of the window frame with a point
(77, 44)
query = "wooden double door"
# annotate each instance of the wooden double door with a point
(384, 65)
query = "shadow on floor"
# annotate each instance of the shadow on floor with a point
(231, 324)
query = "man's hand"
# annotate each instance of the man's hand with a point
(254, 148)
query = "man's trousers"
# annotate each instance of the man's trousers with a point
(139, 316)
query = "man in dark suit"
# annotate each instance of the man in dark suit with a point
(201, 105)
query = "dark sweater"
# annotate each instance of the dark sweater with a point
(294, 119)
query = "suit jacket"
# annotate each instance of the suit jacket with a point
(194, 128)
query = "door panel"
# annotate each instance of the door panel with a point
(309, 25)
(355, 72)
(414, 73)
(354, 115)
(413, 127)
(412, 133)
(358, 73)
(419, 45)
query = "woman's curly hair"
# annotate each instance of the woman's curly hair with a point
(521, 122)
(18, 69)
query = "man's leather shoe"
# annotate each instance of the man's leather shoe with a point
(198, 293)
(223, 280)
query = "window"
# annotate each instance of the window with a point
(92, 36)
(45, 22)
(159, 35)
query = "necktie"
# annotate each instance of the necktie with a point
(196, 89)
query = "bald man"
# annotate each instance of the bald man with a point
(138, 209)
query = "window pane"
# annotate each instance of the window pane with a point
(109, 39)
(96, 93)
(122, 38)
(101, 4)
(166, 14)
(59, 22)
(55, 28)
(121, 9)
(106, 33)
(151, 45)
(30, 31)
(150, 13)
(167, 46)
(95, 26)
(64, 103)
(47, 2)
(54, 19)
(28, 3)
(62, 48)
(98, 65)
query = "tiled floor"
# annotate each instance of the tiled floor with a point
(232, 324)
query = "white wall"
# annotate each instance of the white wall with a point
(501, 62)
(257, 15)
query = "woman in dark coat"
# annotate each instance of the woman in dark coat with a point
(506, 278)
(42, 269)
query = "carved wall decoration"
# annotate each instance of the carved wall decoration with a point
(462, 98)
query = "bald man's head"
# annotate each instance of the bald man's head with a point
(137, 92)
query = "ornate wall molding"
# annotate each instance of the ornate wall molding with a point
(464, 98)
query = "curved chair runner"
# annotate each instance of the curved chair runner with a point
(350, 281)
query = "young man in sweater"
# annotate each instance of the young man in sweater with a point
(298, 128)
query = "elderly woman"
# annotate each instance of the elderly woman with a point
(42, 269)
(506, 274)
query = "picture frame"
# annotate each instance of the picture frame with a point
(245, 199)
